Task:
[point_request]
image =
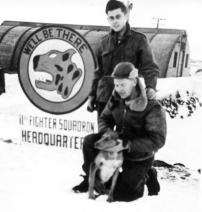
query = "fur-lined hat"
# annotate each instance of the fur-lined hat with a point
(125, 70)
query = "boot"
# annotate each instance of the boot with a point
(82, 187)
(152, 182)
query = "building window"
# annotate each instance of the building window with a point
(186, 60)
(175, 60)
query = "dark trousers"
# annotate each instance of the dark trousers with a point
(131, 181)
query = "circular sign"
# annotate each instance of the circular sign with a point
(56, 68)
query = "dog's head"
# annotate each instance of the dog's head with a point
(110, 141)
(63, 72)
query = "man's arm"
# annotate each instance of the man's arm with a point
(98, 71)
(155, 132)
(106, 120)
(92, 98)
(147, 64)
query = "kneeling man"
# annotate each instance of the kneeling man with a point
(139, 121)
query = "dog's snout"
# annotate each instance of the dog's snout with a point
(35, 61)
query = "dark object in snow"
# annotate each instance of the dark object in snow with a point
(160, 163)
(179, 164)
(198, 71)
(7, 141)
(173, 103)
(176, 172)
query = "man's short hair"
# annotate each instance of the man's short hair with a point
(114, 4)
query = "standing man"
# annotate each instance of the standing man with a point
(142, 124)
(121, 44)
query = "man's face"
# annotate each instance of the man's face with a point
(124, 87)
(117, 19)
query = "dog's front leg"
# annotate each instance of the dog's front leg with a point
(91, 181)
(111, 191)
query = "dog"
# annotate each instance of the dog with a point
(108, 161)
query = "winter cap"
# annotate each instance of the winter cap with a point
(125, 70)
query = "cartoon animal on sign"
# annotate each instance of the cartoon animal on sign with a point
(63, 71)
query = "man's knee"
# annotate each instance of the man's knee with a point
(131, 181)
(129, 191)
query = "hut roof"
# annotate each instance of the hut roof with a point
(162, 40)
(162, 46)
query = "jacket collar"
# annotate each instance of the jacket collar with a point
(127, 32)
(136, 102)
(114, 40)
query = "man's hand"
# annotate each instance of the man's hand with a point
(91, 104)
(151, 93)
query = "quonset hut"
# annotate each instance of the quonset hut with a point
(170, 46)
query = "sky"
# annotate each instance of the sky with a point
(180, 14)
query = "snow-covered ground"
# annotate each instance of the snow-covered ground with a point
(195, 66)
(38, 178)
